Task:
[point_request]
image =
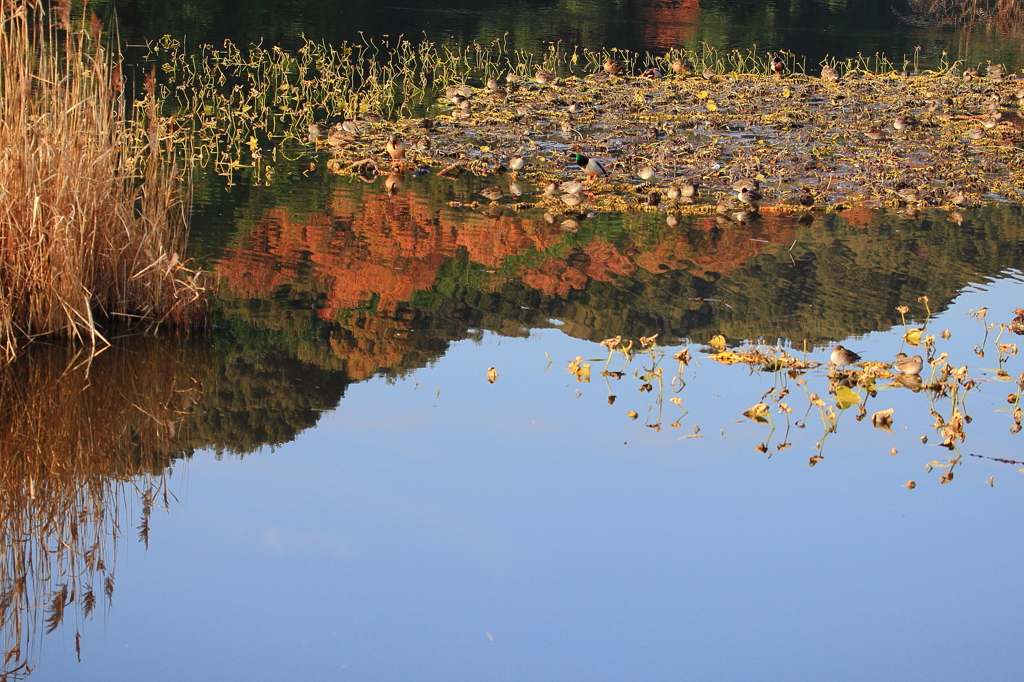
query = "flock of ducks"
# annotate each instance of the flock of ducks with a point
(639, 138)
(909, 366)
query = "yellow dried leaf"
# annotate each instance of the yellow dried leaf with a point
(727, 357)
(711, 105)
(909, 485)
(632, 414)
(814, 460)
(676, 401)
(492, 375)
(846, 398)
(913, 336)
(758, 413)
(717, 342)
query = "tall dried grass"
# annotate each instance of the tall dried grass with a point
(92, 216)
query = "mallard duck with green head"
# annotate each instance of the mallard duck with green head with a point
(592, 168)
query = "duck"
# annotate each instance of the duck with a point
(317, 129)
(910, 366)
(613, 66)
(749, 196)
(647, 174)
(591, 167)
(875, 133)
(338, 136)
(683, 67)
(841, 357)
(516, 163)
(746, 184)
(396, 148)
(492, 193)
(653, 73)
(904, 122)
(778, 66)
(544, 77)
(571, 200)
(571, 187)
(829, 74)
(492, 83)
(688, 189)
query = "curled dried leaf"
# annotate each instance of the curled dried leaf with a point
(883, 420)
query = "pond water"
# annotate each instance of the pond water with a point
(403, 453)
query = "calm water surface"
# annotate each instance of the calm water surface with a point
(326, 486)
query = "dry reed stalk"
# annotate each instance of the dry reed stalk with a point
(82, 436)
(92, 220)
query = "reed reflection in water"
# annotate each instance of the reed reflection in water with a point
(84, 439)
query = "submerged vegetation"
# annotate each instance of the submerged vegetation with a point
(92, 214)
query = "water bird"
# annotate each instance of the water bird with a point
(571, 187)
(513, 78)
(683, 67)
(911, 366)
(654, 198)
(749, 196)
(492, 83)
(904, 122)
(544, 77)
(373, 117)
(396, 148)
(652, 73)
(575, 108)
(515, 190)
(842, 357)
(516, 163)
(647, 174)
(778, 66)
(613, 66)
(350, 126)
(318, 129)
(688, 189)
(673, 193)
(338, 136)
(492, 193)
(591, 167)
(571, 200)
(708, 73)
(829, 74)
(875, 133)
(746, 183)
(552, 187)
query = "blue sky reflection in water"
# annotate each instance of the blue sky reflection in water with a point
(392, 539)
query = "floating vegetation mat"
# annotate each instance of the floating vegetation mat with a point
(806, 398)
(859, 132)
